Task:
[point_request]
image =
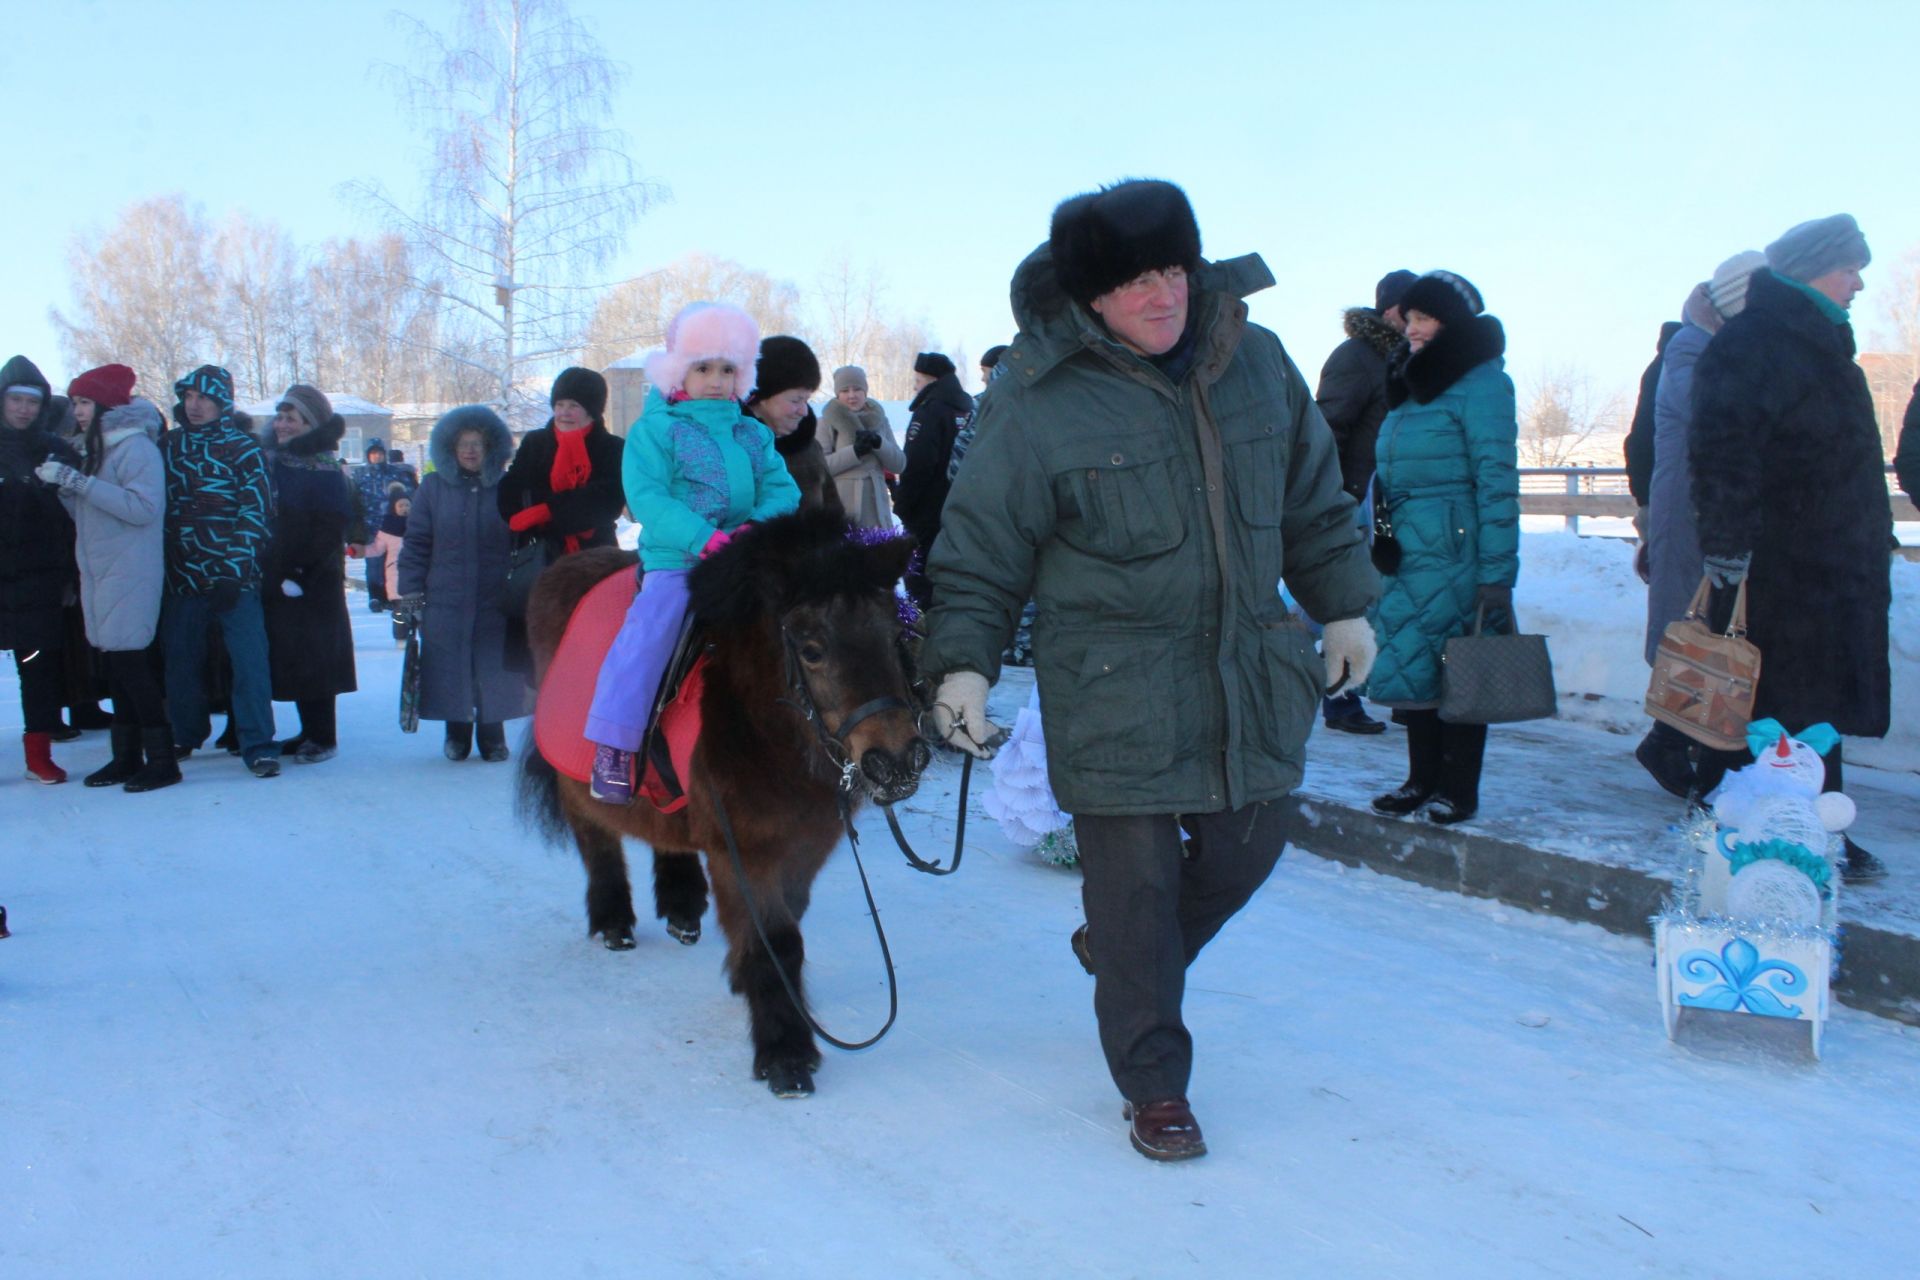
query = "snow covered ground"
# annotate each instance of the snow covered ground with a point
(345, 1022)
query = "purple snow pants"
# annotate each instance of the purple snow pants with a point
(637, 662)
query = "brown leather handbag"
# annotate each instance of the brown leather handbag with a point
(1704, 682)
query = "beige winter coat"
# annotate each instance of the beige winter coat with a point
(862, 481)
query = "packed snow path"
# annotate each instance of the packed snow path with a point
(345, 1022)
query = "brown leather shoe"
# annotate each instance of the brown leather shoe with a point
(1165, 1130)
(1080, 951)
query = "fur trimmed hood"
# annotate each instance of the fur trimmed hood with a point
(1364, 324)
(482, 419)
(1425, 375)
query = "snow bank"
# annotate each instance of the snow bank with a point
(1583, 595)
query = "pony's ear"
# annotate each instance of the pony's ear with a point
(889, 558)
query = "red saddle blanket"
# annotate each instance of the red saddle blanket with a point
(566, 695)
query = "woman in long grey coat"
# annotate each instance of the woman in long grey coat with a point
(455, 555)
(117, 501)
(860, 448)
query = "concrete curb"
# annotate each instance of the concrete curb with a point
(1879, 968)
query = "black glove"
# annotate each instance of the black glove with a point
(1495, 603)
(224, 596)
(865, 442)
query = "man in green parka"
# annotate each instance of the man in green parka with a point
(1149, 469)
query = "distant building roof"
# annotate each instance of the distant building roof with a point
(345, 405)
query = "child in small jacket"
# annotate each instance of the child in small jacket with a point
(695, 469)
(391, 537)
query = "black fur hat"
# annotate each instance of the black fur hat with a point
(585, 388)
(785, 364)
(934, 364)
(1448, 298)
(1105, 238)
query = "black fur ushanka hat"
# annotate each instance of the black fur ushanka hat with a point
(1102, 239)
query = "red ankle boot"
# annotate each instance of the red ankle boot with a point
(40, 765)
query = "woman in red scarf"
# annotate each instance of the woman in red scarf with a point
(564, 484)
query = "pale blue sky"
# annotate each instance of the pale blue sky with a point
(1583, 164)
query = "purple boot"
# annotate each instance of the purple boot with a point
(612, 775)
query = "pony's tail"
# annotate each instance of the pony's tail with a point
(537, 795)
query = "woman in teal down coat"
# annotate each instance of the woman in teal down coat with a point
(1447, 480)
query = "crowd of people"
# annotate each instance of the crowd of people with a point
(1198, 556)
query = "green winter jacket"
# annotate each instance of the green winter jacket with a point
(697, 467)
(1446, 474)
(1152, 524)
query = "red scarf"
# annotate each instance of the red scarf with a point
(571, 469)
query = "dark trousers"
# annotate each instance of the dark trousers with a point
(1153, 900)
(317, 723)
(1445, 757)
(43, 688)
(183, 633)
(376, 577)
(133, 678)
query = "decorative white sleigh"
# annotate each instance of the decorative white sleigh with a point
(1753, 930)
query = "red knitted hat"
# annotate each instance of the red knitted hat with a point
(109, 386)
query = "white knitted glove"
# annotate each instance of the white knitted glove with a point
(58, 473)
(1348, 647)
(960, 715)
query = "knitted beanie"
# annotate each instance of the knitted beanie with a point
(991, 359)
(1391, 289)
(704, 331)
(109, 386)
(1102, 239)
(585, 388)
(786, 364)
(848, 376)
(1813, 249)
(1451, 299)
(1728, 288)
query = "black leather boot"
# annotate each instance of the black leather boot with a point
(161, 769)
(126, 758)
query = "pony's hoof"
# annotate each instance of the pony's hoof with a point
(685, 934)
(618, 938)
(789, 1080)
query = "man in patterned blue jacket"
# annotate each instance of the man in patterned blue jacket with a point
(218, 504)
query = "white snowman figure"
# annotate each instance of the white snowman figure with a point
(1777, 803)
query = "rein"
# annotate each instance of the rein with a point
(834, 747)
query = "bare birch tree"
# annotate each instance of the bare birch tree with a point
(855, 326)
(145, 293)
(1563, 412)
(529, 191)
(261, 302)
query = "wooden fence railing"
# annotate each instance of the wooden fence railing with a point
(1574, 492)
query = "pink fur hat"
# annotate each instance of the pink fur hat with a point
(705, 331)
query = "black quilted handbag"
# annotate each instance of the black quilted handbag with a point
(1496, 679)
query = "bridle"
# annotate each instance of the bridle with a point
(839, 756)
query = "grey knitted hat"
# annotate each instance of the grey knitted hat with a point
(309, 402)
(1812, 249)
(849, 375)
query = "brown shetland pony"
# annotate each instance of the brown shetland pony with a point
(791, 597)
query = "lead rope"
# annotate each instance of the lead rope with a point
(760, 928)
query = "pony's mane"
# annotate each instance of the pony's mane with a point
(806, 557)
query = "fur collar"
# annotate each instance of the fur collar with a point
(837, 417)
(1784, 307)
(795, 442)
(316, 442)
(1364, 324)
(1426, 374)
